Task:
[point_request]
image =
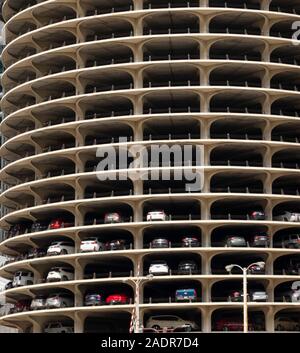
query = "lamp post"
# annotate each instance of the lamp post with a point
(137, 282)
(245, 290)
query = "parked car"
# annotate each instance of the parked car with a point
(91, 244)
(58, 223)
(288, 217)
(22, 278)
(286, 324)
(190, 242)
(257, 215)
(57, 274)
(231, 325)
(60, 248)
(8, 285)
(17, 229)
(159, 267)
(291, 241)
(118, 244)
(259, 296)
(38, 303)
(39, 226)
(183, 295)
(112, 217)
(20, 306)
(93, 299)
(260, 240)
(117, 299)
(58, 327)
(235, 241)
(293, 268)
(160, 243)
(236, 296)
(59, 300)
(169, 321)
(257, 269)
(34, 253)
(156, 216)
(187, 267)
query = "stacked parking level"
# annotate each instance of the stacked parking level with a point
(81, 73)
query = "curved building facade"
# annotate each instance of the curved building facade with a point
(80, 74)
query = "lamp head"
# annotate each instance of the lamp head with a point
(228, 268)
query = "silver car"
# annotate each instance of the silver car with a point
(259, 296)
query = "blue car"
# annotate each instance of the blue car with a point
(183, 295)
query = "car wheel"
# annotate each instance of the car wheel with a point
(279, 328)
(297, 328)
(225, 328)
(156, 327)
(64, 252)
(64, 278)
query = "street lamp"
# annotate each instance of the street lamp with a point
(245, 291)
(137, 281)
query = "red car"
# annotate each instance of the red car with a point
(20, 306)
(231, 325)
(117, 299)
(59, 223)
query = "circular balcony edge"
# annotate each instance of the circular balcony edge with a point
(73, 204)
(131, 254)
(73, 151)
(271, 15)
(66, 75)
(216, 169)
(68, 232)
(130, 94)
(145, 38)
(70, 312)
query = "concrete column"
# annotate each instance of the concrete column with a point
(265, 5)
(206, 320)
(78, 324)
(267, 158)
(138, 212)
(269, 317)
(138, 4)
(37, 328)
(138, 187)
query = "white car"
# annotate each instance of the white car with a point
(159, 268)
(57, 274)
(58, 327)
(61, 248)
(59, 300)
(22, 278)
(259, 296)
(91, 244)
(288, 217)
(156, 216)
(170, 321)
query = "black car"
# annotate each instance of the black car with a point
(8, 285)
(257, 269)
(190, 242)
(293, 268)
(159, 243)
(118, 244)
(257, 215)
(17, 229)
(35, 253)
(260, 240)
(39, 226)
(187, 267)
